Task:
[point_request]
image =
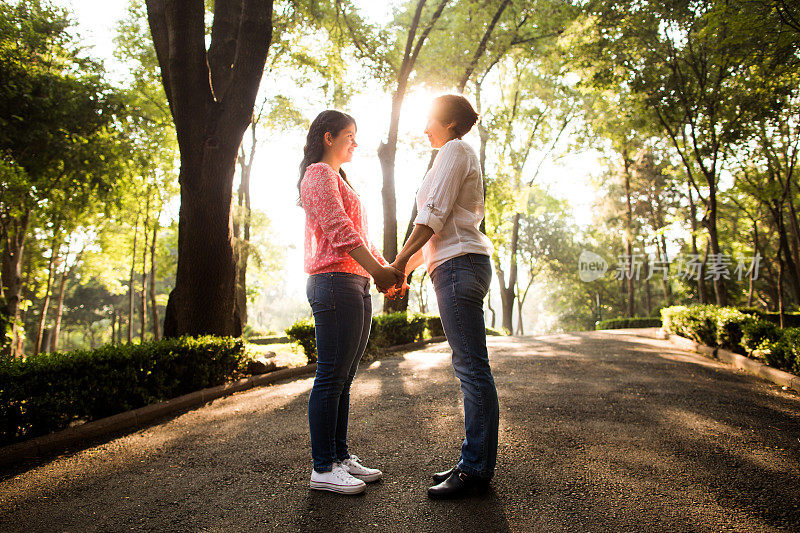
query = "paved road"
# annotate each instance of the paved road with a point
(600, 431)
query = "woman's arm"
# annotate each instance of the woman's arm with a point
(412, 248)
(384, 276)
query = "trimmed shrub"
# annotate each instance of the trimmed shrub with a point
(784, 353)
(395, 329)
(758, 332)
(697, 322)
(386, 330)
(623, 323)
(730, 327)
(302, 332)
(434, 325)
(50, 391)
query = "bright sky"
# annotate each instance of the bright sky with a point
(273, 185)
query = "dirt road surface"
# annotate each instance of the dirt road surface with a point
(599, 431)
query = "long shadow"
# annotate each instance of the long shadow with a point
(594, 436)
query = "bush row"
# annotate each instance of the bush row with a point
(634, 322)
(387, 330)
(739, 330)
(50, 391)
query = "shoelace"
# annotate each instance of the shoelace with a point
(355, 459)
(341, 473)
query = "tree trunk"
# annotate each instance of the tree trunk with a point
(55, 250)
(491, 309)
(387, 151)
(647, 296)
(755, 254)
(65, 274)
(143, 295)
(130, 280)
(507, 293)
(15, 234)
(153, 304)
(243, 243)
(631, 309)
(713, 237)
(211, 96)
(701, 285)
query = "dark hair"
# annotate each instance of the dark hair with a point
(450, 108)
(331, 121)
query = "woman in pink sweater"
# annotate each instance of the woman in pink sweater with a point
(340, 260)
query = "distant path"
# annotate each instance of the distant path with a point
(600, 431)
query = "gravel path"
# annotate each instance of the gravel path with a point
(600, 431)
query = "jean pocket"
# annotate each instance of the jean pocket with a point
(482, 269)
(319, 291)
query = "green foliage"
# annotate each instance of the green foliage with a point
(756, 334)
(495, 332)
(737, 331)
(302, 332)
(394, 329)
(48, 392)
(697, 322)
(434, 326)
(635, 322)
(785, 352)
(387, 330)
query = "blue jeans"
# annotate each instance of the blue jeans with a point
(461, 284)
(342, 318)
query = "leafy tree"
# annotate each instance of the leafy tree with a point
(211, 93)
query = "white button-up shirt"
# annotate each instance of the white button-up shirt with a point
(450, 202)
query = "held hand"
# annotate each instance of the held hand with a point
(400, 265)
(387, 277)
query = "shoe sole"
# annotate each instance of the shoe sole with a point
(340, 489)
(369, 478)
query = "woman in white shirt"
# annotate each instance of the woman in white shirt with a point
(447, 238)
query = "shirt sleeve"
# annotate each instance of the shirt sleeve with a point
(323, 200)
(448, 176)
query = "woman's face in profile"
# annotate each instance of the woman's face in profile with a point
(438, 133)
(344, 143)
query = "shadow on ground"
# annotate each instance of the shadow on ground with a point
(599, 431)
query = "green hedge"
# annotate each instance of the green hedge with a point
(387, 330)
(50, 391)
(740, 330)
(634, 322)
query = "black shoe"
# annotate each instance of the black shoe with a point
(438, 477)
(458, 485)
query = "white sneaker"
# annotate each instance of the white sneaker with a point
(337, 480)
(355, 469)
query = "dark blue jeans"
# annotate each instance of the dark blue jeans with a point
(461, 285)
(342, 318)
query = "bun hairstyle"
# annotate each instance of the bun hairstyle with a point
(451, 108)
(331, 121)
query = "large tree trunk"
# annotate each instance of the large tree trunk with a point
(15, 232)
(211, 96)
(52, 264)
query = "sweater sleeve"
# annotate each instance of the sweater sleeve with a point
(323, 201)
(448, 176)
